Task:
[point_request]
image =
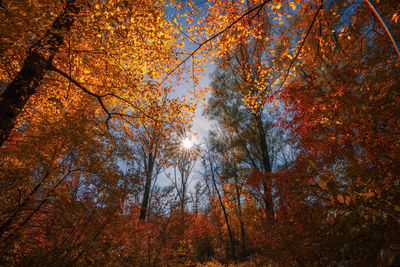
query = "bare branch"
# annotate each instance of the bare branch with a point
(258, 8)
(100, 98)
(301, 46)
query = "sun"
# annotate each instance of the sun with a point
(187, 143)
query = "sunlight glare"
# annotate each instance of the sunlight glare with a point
(187, 143)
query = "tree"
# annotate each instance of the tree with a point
(249, 131)
(157, 139)
(184, 160)
(110, 66)
(39, 61)
(211, 172)
(344, 94)
(68, 175)
(69, 127)
(300, 169)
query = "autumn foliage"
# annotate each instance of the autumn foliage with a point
(301, 166)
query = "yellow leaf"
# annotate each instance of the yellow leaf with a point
(340, 199)
(395, 17)
(312, 164)
(370, 195)
(332, 199)
(321, 184)
(293, 5)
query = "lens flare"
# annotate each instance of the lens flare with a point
(384, 24)
(187, 143)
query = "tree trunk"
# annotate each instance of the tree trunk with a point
(38, 62)
(226, 219)
(240, 215)
(266, 166)
(147, 186)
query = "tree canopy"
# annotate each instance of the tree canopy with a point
(99, 164)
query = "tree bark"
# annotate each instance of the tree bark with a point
(146, 194)
(240, 215)
(37, 63)
(266, 165)
(225, 213)
(226, 221)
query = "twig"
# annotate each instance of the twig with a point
(260, 6)
(100, 98)
(301, 46)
